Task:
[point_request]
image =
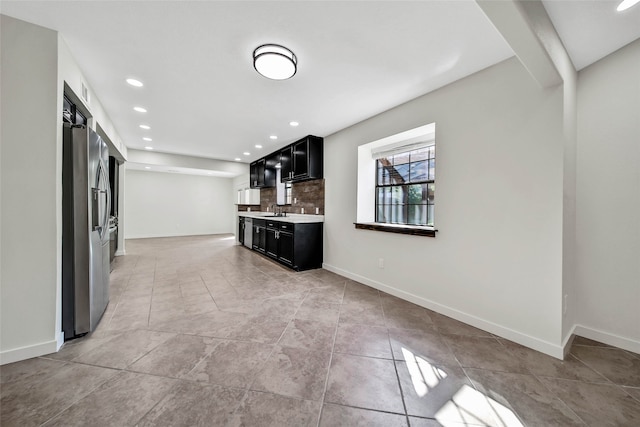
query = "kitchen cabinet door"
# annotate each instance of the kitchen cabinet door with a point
(241, 230)
(260, 170)
(271, 242)
(286, 165)
(285, 248)
(259, 237)
(253, 175)
(300, 159)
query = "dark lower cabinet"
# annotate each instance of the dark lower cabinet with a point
(271, 246)
(285, 248)
(241, 230)
(298, 246)
(259, 235)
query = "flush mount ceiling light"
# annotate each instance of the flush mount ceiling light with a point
(258, 146)
(134, 82)
(148, 148)
(294, 124)
(626, 4)
(147, 139)
(275, 62)
(273, 137)
(140, 109)
(145, 127)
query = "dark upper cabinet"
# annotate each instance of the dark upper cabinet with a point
(286, 163)
(300, 161)
(304, 160)
(253, 175)
(262, 174)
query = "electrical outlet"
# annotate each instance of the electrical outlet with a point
(565, 305)
(381, 263)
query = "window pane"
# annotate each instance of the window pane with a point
(432, 169)
(430, 210)
(398, 214)
(431, 191)
(417, 214)
(384, 213)
(384, 195)
(400, 174)
(397, 194)
(383, 176)
(402, 158)
(418, 171)
(421, 154)
(432, 152)
(415, 193)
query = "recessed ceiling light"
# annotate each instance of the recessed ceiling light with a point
(258, 146)
(140, 109)
(148, 148)
(237, 159)
(626, 4)
(146, 138)
(294, 124)
(134, 82)
(246, 153)
(274, 61)
(273, 137)
(147, 167)
(146, 127)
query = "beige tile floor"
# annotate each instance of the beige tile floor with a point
(202, 332)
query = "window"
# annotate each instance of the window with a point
(405, 186)
(396, 183)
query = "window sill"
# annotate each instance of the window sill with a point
(415, 230)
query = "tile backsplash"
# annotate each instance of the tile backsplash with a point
(308, 195)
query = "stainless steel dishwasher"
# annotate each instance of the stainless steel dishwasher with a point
(248, 232)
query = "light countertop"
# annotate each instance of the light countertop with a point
(292, 218)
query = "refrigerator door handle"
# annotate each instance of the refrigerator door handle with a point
(104, 221)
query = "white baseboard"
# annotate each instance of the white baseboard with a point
(568, 341)
(120, 252)
(60, 340)
(27, 352)
(607, 338)
(546, 347)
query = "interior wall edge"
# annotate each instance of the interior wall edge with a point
(526, 340)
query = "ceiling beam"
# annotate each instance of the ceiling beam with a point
(511, 19)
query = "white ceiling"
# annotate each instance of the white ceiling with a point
(591, 30)
(355, 59)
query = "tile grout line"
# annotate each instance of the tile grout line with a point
(262, 365)
(566, 405)
(395, 365)
(326, 379)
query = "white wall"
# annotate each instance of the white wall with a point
(497, 259)
(608, 199)
(31, 192)
(70, 73)
(35, 65)
(168, 204)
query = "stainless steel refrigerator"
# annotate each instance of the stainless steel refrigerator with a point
(86, 200)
